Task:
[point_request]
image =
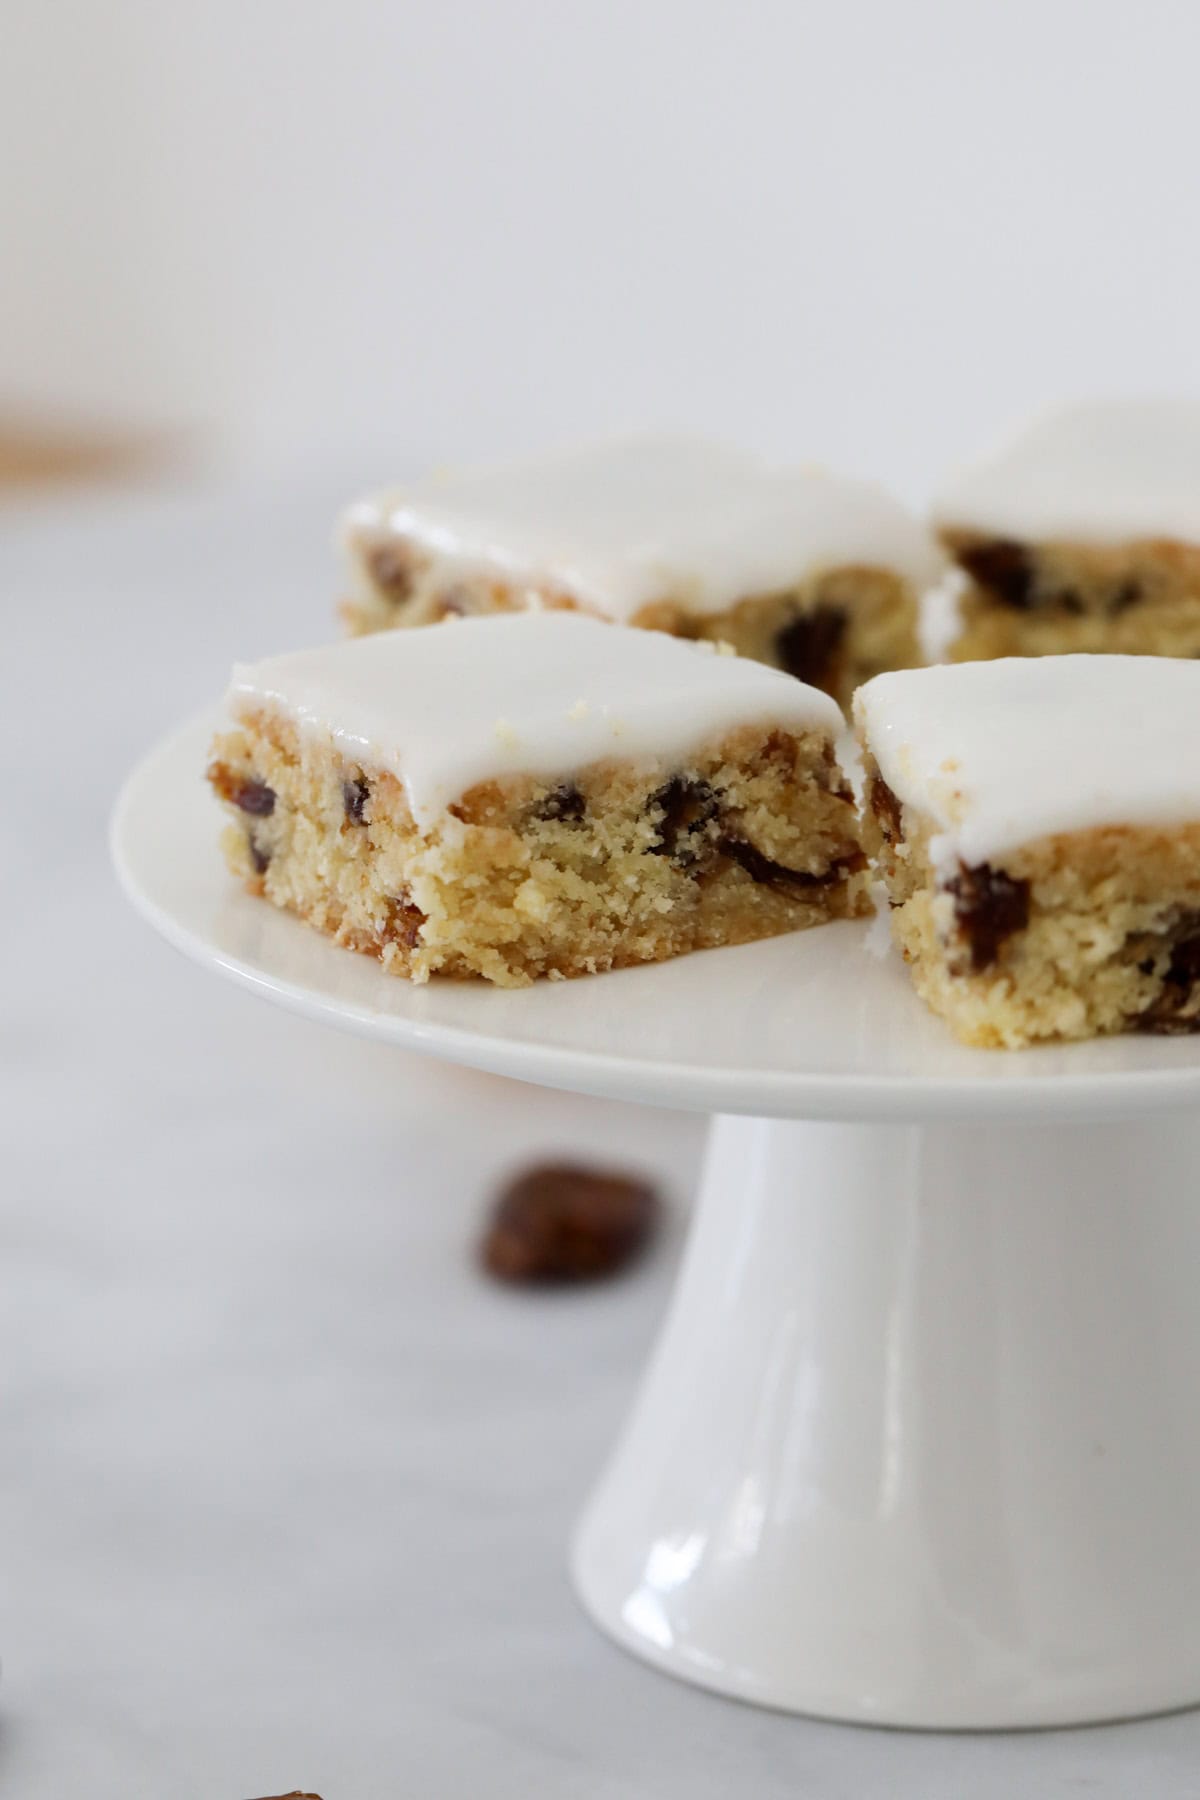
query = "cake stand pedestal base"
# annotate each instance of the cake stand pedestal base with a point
(920, 1441)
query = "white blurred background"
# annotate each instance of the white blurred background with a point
(306, 234)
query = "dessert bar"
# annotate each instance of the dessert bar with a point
(1082, 535)
(1037, 826)
(536, 794)
(803, 570)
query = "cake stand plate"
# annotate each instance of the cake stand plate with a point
(920, 1440)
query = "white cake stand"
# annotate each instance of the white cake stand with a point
(920, 1442)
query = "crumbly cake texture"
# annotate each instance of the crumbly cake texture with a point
(1036, 825)
(1083, 534)
(807, 572)
(509, 823)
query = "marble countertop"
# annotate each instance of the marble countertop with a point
(284, 1484)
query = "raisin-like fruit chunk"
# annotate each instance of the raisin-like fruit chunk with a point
(1166, 1014)
(255, 797)
(260, 858)
(886, 807)
(989, 907)
(242, 791)
(560, 1223)
(1005, 569)
(565, 803)
(687, 806)
(809, 646)
(355, 795)
(760, 868)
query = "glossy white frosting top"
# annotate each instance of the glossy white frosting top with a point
(1102, 472)
(1000, 754)
(446, 706)
(623, 524)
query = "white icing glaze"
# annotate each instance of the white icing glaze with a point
(624, 524)
(445, 706)
(1104, 471)
(1000, 754)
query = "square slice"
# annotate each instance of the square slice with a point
(1083, 534)
(802, 570)
(1037, 827)
(536, 794)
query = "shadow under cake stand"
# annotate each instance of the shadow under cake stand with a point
(920, 1440)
